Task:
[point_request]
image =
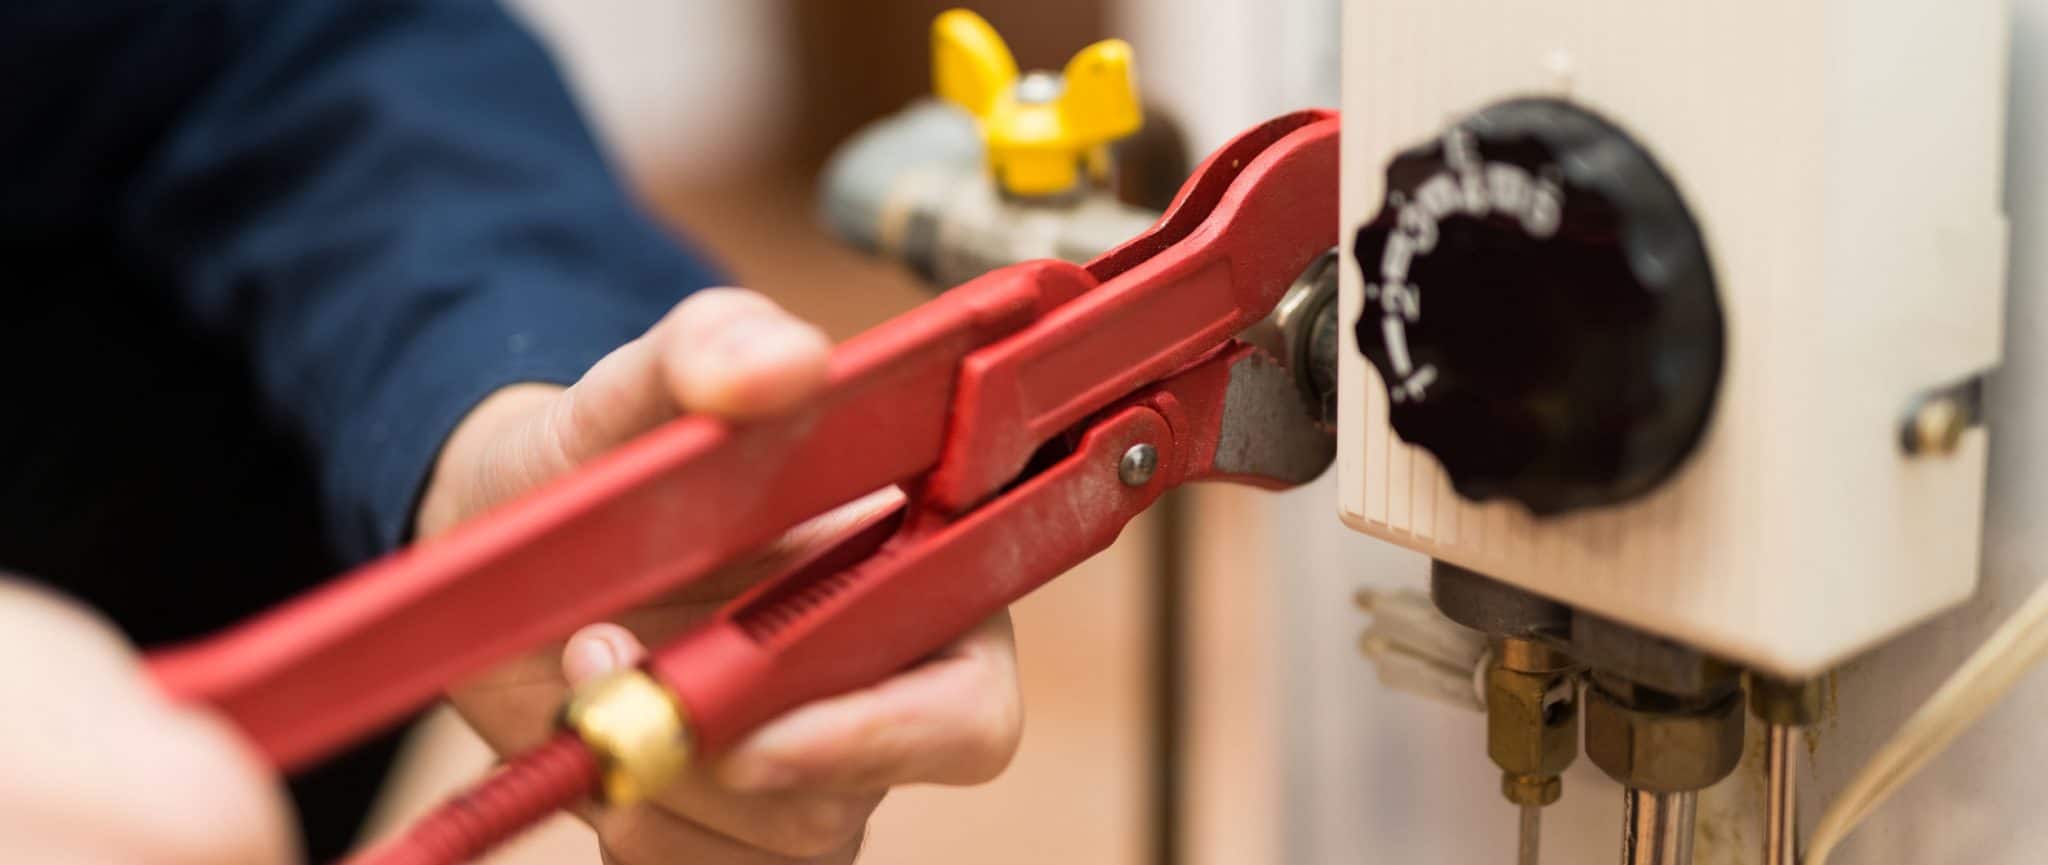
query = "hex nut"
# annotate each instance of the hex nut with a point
(1537, 790)
(1664, 752)
(1531, 721)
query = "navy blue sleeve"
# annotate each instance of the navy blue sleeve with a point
(390, 209)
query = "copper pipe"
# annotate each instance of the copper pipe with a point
(1531, 835)
(1656, 828)
(1781, 797)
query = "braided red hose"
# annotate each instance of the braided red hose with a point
(530, 787)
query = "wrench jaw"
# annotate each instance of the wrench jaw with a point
(1256, 216)
(1205, 191)
(1267, 437)
(1238, 417)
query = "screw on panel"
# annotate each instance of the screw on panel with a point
(1936, 427)
(1936, 419)
(1137, 465)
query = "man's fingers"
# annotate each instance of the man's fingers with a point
(791, 826)
(734, 353)
(598, 649)
(802, 788)
(96, 766)
(722, 351)
(954, 720)
(818, 831)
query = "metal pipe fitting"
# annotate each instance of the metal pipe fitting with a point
(1529, 686)
(1781, 815)
(1529, 836)
(635, 728)
(1664, 748)
(1301, 333)
(1657, 827)
(1792, 703)
(1532, 729)
(912, 187)
(1532, 719)
(1661, 742)
(1784, 706)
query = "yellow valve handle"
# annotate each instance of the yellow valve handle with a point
(971, 66)
(1040, 131)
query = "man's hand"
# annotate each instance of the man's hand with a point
(96, 767)
(800, 788)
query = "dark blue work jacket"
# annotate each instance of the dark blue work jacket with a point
(258, 258)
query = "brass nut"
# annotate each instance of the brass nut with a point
(1537, 790)
(1664, 751)
(1531, 721)
(635, 728)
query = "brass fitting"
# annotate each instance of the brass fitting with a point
(636, 729)
(1654, 742)
(1536, 790)
(1781, 701)
(1532, 719)
(1784, 706)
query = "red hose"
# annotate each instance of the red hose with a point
(530, 787)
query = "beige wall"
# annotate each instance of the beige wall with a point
(683, 88)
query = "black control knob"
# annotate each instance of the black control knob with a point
(1541, 307)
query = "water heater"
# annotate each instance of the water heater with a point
(1675, 313)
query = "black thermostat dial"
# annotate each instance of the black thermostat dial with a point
(1541, 307)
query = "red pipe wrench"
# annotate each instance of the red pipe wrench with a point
(1029, 414)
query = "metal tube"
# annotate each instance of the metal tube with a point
(1781, 796)
(1169, 681)
(913, 188)
(1656, 828)
(1531, 835)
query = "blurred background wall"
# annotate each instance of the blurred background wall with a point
(679, 89)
